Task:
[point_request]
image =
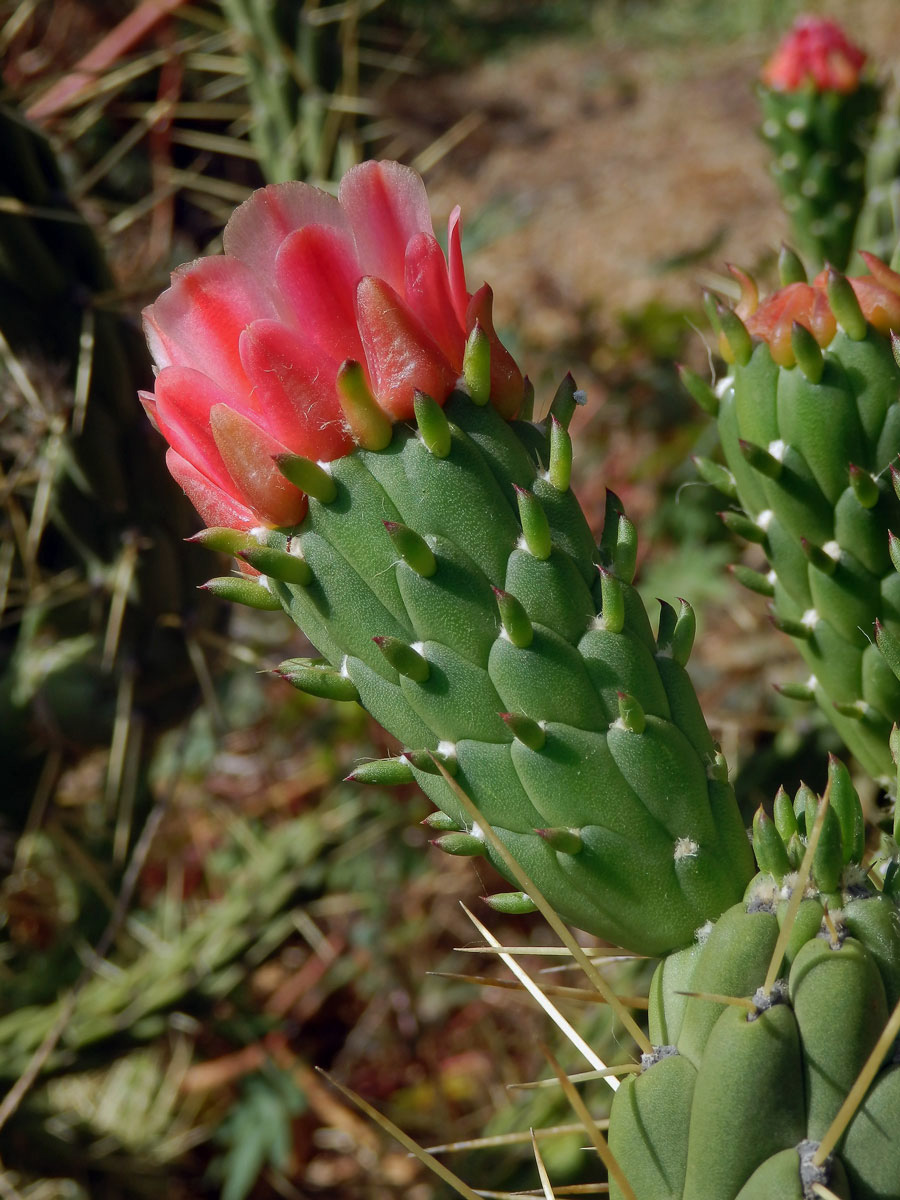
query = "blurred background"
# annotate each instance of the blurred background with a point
(195, 910)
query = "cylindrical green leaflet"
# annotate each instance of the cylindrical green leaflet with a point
(672, 979)
(733, 962)
(466, 633)
(735, 1122)
(823, 516)
(874, 921)
(871, 1145)
(839, 1003)
(649, 1128)
(780, 1178)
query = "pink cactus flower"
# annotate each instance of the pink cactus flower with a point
(807, 303)
(249, 344)
(816, 52)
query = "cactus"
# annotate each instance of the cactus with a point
(768, 1074)
(342, 414)
(97, 582)
(878, 227)
(818, 116)
(436, 557)
(809, 425)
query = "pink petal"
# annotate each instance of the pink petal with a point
(507, 384)
(256, 230)
(148, 403)
(428, 295)
(317, 273)
(197, 321)
(294, 391)
(457, 269)
(402, 357)
(387, 206)
(248, 452)
(184, 399)
(214, 506)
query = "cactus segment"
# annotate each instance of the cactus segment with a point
(310, 477)
(317, 677)
(477, 365)
(434, 427)
(240, 590)
(809, 424)
(287, 567)
(514, 904)
(368, 424)
(458, 592)
(747, 1056)
(830, 988)
(789, 1174)
(649, 1124)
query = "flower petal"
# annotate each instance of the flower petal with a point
(197, 321)
(214, 506)
(248, 452)
(184, 398)
(387, 206)
(507, 384)
(428, 296)
(256, 230)
(457, 269)
(402, 357)
(317, 273)
(294, 391)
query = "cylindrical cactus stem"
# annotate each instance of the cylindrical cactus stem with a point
(373, 450)
(819, 110)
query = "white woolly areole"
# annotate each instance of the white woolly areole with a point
(521, 544)
(763, 893)
(789, 883)
(326, 466)
(796, 119)
(833, 549)
(764, 520)
(419, 647)
(264, 580)
(777, 448)
(772, 578)
(812, 682)
(446, 749)
(345, 673)
(701, 936)
(295, 548)
(723, 385)
(477, 831)
(810, 618)
(686, 848)
(260, 533)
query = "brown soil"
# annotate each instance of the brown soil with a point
(596, 167)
